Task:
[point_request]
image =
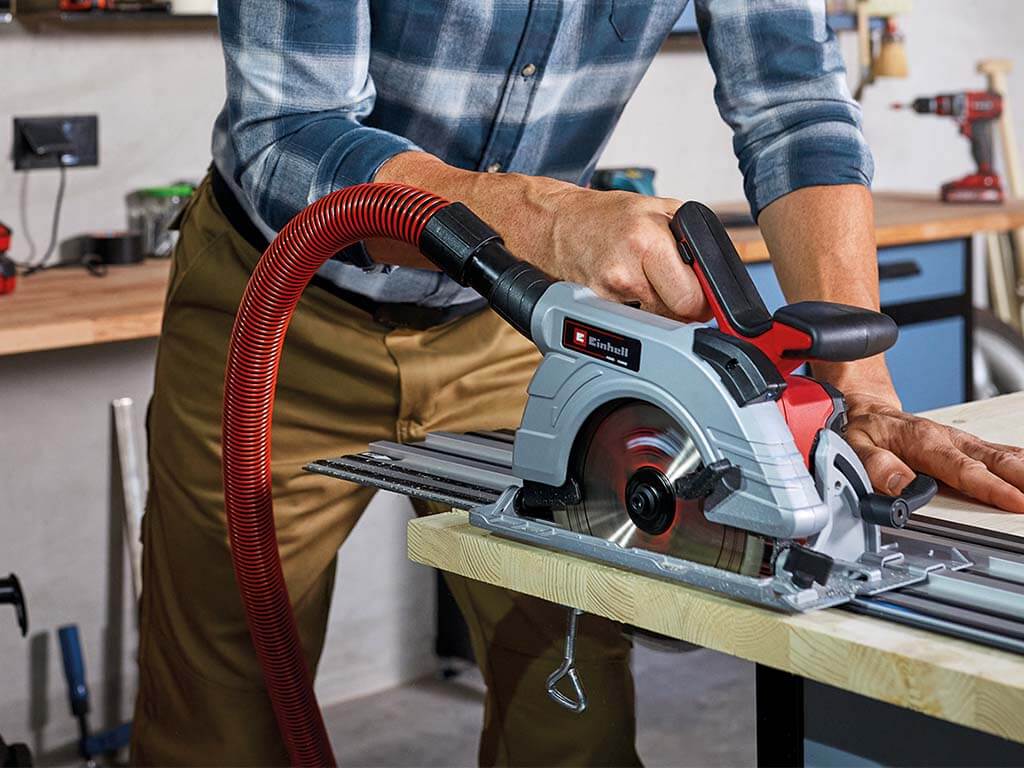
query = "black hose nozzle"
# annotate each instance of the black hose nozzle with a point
(474, 255)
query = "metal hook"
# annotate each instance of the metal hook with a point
(568, 669)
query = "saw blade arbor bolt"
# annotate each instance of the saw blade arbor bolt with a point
(651, 501)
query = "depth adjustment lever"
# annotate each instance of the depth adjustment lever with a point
(807, 566)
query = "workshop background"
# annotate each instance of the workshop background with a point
(156, 94)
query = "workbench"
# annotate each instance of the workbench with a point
(941, 677)
(69, 307)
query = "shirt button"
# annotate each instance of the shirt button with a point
(494, 167)
(529, 70)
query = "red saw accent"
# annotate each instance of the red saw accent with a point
(807, 408)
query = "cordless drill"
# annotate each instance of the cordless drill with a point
(974, 112)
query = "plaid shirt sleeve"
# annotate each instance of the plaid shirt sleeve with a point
(298, 85)
(781, 86)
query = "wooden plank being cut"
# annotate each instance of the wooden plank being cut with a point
(950, 679)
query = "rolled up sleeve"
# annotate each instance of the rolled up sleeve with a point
(781, 86)
(298, 87)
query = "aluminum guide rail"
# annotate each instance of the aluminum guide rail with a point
(982, 604)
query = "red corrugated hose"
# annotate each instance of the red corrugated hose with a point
(334, 222)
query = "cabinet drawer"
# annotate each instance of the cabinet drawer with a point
(924, 271)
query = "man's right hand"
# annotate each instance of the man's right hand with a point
(616, 243)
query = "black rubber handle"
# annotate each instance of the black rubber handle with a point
(981, 144)
(836, 332)
(704, 243)
(894, 511)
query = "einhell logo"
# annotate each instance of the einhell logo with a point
(606, 346)
(603, 345)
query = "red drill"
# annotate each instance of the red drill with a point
(974, 112)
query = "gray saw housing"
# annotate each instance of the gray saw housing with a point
(777, 496)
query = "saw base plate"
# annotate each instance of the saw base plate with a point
(474, 472)
(773, 592)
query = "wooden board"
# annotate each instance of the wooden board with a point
(1000, 420)
(950, 679)
(902, 218)
(70, 307)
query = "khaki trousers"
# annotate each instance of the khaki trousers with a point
(344, 381)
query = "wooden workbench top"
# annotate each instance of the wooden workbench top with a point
(951, 679)
(70, 307)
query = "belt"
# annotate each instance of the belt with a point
(390, 314)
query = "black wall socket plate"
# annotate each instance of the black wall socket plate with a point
(48, 142)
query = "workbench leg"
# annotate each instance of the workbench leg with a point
(780, 718)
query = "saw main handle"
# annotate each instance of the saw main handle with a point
(795, 334)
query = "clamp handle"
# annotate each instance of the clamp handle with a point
(894, 511)
(567, 669)
(795, 334)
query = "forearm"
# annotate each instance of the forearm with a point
(511, 203)
(616, 243)
(822, 242)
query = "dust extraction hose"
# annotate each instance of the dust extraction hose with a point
(454, 239)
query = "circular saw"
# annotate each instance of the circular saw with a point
(684, 451)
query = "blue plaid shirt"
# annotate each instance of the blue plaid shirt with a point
(322, 92)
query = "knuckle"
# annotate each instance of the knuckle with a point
(877, 460)
(619, 280)
(636, 239)
(968, 468)
(1006, 461)
(926, 431)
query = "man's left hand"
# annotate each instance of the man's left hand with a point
(894, 445)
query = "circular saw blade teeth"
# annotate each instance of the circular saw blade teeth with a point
(617, 444)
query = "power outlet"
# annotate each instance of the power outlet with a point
(49, 142)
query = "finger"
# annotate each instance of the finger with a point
(1002, 460)
(675, 282)
(888, 473)
(955, 468)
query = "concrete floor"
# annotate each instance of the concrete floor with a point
(693, 709)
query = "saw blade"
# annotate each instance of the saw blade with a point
(633, 442)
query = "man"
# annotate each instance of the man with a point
(505, 107)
